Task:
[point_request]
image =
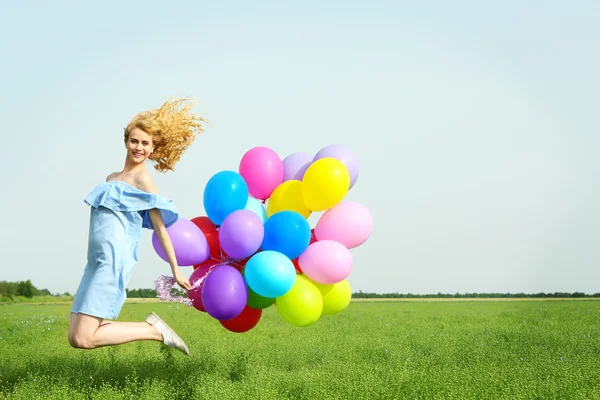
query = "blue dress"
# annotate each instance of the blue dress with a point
(118, 213)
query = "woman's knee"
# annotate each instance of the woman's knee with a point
(79, 341)
(82, 328)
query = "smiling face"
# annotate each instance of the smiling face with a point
(139, 145)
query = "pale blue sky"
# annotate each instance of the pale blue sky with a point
(475, 124)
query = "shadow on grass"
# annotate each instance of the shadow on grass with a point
(85, 371)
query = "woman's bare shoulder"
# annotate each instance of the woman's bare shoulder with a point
(144, 181)
(111, 176)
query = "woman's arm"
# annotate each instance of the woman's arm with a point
(167, 245)
(146, 184)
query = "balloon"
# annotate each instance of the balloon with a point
(288, 196)
(241, 234)
(313, 237)
(225, 192)
(257, 207)
(262, 169)
(349, 223)
(239, 264)
(247, 320)
(345, 155)
(211, 233)
(258, 301)
(224, 293)
(189, 243)
(326, 262)
(200, 272)
(325, 184)
(295, 165)
(297, 266)
(270, 274)
(286, 232)
(302, 305)
(336, 297)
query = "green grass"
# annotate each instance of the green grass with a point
(35, 299)
(379, 350)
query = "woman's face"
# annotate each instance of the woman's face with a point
(139, 145)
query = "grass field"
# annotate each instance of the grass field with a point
(373, 350)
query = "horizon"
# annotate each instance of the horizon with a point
(360, 292)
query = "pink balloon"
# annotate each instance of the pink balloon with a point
(262, 169)
(326, 262)
(348, 222)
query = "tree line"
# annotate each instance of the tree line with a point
(21, 288)
(27, 289)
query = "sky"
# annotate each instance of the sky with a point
(475, 125)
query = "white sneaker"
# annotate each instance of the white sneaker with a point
(170, 338)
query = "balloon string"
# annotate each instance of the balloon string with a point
(164, 283)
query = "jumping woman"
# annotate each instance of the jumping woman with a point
(120, 207)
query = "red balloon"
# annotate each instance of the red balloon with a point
(297, 266)
(243, 322)
(238, 267)
(313, 237)
(241, 263)
(210, 262)
(212, 235)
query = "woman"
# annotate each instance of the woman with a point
(120, 207)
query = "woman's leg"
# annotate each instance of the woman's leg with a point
(88, 332)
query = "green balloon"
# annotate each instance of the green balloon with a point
(257, 301)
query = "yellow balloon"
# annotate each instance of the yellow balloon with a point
(325, 184)
(287, 197)
(302, 305)
(336, 297)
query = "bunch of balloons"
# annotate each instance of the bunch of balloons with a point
(255, 246)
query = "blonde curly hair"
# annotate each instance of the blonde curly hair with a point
(173, 128)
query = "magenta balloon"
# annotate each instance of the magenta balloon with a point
(241, 234)
(189, 242)
(224, 293)
(295, 165)
(262, 169)
(345, 155)
(195, 294)
(348, 222)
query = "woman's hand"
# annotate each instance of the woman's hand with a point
(182, 281)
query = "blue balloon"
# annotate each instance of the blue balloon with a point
(225, 192)
(270, 274)
(257, 207)
(287, 232)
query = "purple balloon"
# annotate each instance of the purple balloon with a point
(345, 155)
(224, 293)
(189, 242)
(241, 234)
(295, 165)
